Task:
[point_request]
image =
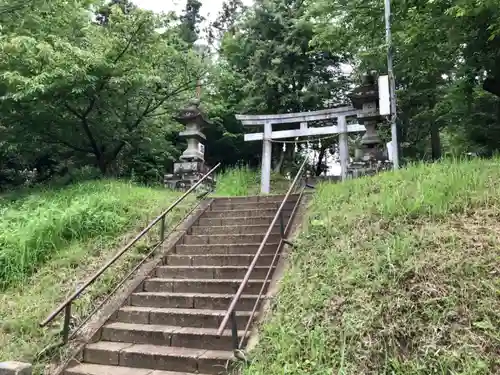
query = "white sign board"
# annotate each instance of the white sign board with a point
(390, 151)
(384, 96)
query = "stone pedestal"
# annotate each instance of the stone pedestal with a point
(186, 174)
(15, 368)
(191, 167)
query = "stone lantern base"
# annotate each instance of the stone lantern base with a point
(360, 169)
(368, 160)
(188, 173)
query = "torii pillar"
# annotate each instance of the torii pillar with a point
(265, 178)
(302, 118)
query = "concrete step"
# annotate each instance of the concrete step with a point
(234, 229)
(196, 318)
(153, 334)
(237, 220)
(265, 259)
(224, 205)
(229, 249)
(157, 357)
(211, 301)
(169, 325)
(213, 239)
(91, 369)
(256, 199)
(209, 272)
(202, 285)
(244, 213)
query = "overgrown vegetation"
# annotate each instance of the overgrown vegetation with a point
(243, 181)
(95, 84)
(88, 88)
(52, 241)
(395, 274)
(34, 229)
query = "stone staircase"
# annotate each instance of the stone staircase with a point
(168, 326)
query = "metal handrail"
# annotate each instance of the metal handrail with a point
(231, 312)
(66, 305)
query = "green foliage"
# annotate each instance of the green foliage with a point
(267, 65)
(94, 92)
(94, 83)
(54, 240)
(442, 49)
(190, 20)
(237, 182)
(33, 229)
(242, 181)
(393, 274)
(270, 49)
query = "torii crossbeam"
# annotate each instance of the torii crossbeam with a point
(304, 118)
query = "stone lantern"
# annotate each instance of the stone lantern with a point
(191, 166)
(370, 156)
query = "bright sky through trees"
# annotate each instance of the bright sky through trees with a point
(209, 9)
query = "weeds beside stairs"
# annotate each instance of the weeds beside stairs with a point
(168, 326)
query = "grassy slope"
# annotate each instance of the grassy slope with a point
(52, 241)
(396, 274)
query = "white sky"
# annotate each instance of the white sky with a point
(209, 8)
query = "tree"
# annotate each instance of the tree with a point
(96, 92)
(226, 20)
(105, 10)
(267, 49)
(190, 22)
(440, 47)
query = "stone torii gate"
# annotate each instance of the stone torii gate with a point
(364, 100)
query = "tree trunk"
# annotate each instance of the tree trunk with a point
(279, 163)
(321, 156)
(101, 164)
(435, 142)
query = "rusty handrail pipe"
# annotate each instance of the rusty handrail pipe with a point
(89, 282)
(238, 294)
(273, 262)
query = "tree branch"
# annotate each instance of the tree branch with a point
(90, 136)
(185, 87)
(86, 129)
(106, 78)
(73, 111)
(116, 151)
(129, 42)
(52, 139)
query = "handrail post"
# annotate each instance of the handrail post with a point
(67, 321)
(234, 330)
(277, 216)
(66, 305)
(162, 229)
(282, 225)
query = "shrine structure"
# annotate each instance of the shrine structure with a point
(191, 167)
(362, 116)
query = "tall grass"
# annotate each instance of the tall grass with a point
(53, 240)
(393, 274)
(236, 182)
(243, 181)
(32, 229)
